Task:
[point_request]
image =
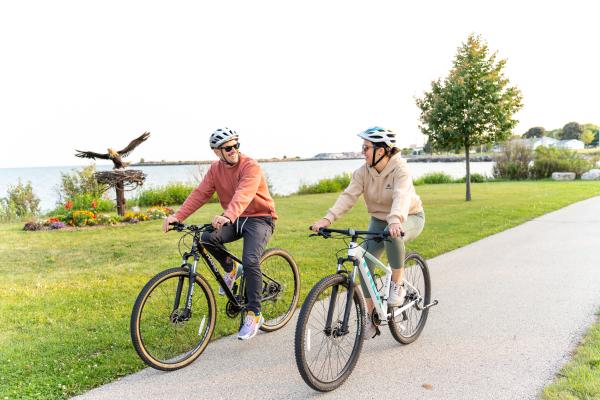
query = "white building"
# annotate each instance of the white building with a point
(572, 144)
(543, 141)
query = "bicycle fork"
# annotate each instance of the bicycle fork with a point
(339, 330)
(187, 311)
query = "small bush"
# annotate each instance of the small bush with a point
(158, 212)
(475, 178)
(171, 194)
(328, 185)
(33, 226)
(513, 162)
(20, 201)
(134, 217)
(552, 159)
(81, 182)
(80, 218)
(433, 178)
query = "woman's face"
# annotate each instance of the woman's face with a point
(367, 152)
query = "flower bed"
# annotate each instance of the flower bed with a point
(82, 218)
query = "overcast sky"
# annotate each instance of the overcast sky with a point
(293, 78)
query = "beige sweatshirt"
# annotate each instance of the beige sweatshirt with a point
(390, 195)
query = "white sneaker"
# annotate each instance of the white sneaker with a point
(370, 330)
(397, 294)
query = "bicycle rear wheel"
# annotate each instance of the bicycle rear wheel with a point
(164, 336)
(407, 327)
(326, 357)
(281, 288)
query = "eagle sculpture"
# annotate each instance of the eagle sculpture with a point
(115, 156)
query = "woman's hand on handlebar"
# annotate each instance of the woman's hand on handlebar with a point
(395, 230)
(169, 220)
(322, 223)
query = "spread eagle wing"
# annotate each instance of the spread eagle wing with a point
(134, 143)
(91, 154)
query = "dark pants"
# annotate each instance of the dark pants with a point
(256, 232)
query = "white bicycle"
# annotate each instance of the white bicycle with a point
(330, 329)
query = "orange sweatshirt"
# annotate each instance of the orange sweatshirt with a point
(242, 191)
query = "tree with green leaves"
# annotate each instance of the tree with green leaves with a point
(590, 134)
(473, 105)
(535, 132)
(572, 130)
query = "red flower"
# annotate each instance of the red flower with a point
(94, 203)
(69, 205)
(94, 216)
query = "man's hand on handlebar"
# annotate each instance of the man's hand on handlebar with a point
(218, 221)
(167, 221)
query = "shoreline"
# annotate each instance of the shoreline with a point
(426, 159)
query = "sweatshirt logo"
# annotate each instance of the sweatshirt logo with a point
(388, 186)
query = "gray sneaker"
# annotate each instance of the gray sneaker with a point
(397, 294)
(370, 330)
(251, 325)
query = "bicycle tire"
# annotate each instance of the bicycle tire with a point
(152, 327)
(309, 366)
(408, 326)
(281, 287)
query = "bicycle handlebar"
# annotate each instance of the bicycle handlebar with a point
(180, 227)
(326, 233)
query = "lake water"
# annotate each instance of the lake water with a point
(285, 177)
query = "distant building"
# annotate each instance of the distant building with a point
(338, 156)
(545, 141)
(572, 144)
(417, 151)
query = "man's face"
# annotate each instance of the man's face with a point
(227, 152)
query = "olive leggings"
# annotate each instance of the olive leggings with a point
(395, 250)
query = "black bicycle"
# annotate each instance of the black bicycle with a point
(175, 314)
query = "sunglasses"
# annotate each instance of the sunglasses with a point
(229, 148)
(366, 148)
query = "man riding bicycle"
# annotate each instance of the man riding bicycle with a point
(249, 213)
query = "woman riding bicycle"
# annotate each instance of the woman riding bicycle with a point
(394, 206)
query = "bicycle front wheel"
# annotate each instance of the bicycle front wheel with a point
(407, 327)
(281, 288)
(166, 334)
(326, 355)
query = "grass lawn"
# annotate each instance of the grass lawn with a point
(66, 296)
(580, 378)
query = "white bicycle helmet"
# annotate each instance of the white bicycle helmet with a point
(220, 136)
(379, 135)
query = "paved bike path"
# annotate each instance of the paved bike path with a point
(512, 308)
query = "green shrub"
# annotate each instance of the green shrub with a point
(85, 202)
(433, 178)
(171, 194)
(328, 185)
(81, 182)
(513, 162)
(552, 159)
(20, 201)
(475, 178)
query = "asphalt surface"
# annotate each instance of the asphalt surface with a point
(512, 308)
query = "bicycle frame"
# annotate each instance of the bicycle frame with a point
(199, 250)
(357, 254)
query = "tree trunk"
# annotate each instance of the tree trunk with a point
(468, 175)
(119, 189)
